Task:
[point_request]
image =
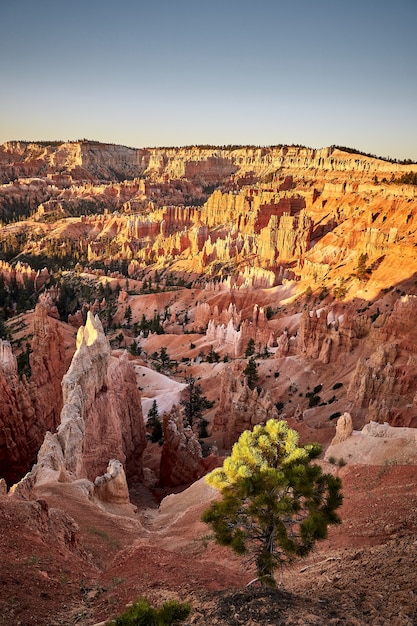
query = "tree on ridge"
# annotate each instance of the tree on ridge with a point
(275, 504)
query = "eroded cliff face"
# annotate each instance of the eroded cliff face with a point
(293, 213)
(30, 407)
(384, 381)
(240, 408)
(102, 415)
(182, 458)
(101, 435)
(159, 164)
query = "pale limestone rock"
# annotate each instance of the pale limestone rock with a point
(344, 428)
(377, 444)
(8, 362)
(101, 418)
(112, 486)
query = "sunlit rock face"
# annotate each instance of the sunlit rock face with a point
(102, 416)
(101, 419)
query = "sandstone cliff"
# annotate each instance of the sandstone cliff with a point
(30, 407)
(182, 458)
(240, 408)
(101, 421)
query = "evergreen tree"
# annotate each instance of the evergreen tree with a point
(194, 405)
(275, 504)
(251, 372)
(250, 348)
(128, 314)
(154, 423)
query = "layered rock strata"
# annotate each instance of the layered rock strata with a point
(182, 458)
(101, 419)
(241, 408)
(30, 407)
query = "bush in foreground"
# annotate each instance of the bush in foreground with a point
(142, 614)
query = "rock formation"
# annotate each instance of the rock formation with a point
(30, 407)
(375, 444)
(182, 459)
(240, 408)
(101, 419)
(344, 429)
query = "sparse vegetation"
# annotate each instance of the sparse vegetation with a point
(141, 613)
(194, 405)
(251, 372)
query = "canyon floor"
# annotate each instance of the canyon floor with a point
(362, 574)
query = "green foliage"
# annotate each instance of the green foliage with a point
(250, 348)
(375, 315)
(409, 178)
(275, 503)
(153, 325)
(195, 404)
(323, 293)
(142, 614)
(314, 401)
(154, 423)
(212, 356)
(335, 415)
(269, 312)
(128, 314)
(251, 372)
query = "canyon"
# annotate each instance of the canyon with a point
(127, 273)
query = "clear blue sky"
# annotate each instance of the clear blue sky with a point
(180, 72)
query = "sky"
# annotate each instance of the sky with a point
(173, 73)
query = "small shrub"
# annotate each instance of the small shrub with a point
(332, 460)
(142, 614)
(314, 401)
(279, 406)
(375, 315)
(341, 462)
(337, 386)
(334, 416)
(276, 374)
(317, 389)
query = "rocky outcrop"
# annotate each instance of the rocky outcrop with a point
(182, 459)
(101, 418)
(375, 444)
(22, 274)
(30, 407)
(327, 337)
(381, 385)
(241, 408)
(112, 486)
(84, 159)
(344, 429)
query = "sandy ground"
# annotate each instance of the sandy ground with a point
(362, 574)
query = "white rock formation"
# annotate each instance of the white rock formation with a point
(376, 444)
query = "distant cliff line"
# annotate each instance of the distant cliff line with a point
(224, 147)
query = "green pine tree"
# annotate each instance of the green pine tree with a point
(251, 372)
(275, 503)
